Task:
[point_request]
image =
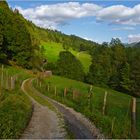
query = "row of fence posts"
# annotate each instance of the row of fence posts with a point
(133, 115)
(7, 81)
(75, 94)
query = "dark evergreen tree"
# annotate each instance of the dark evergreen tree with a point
(125, 82)
(99, 72)
(69, 66)
(118, 57)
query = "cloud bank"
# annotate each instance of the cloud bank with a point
(51, 16)
(134, 38)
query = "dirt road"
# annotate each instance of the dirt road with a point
(46, 120)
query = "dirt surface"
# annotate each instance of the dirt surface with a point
(44, 122)
(79, 125)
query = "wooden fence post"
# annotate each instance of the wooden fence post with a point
(91, 87)
(65, 92)
(40, 84)
(104, 105)
(55, 90)
(7, 81)
(112, 125)
(90, 97)
(73, 94)
(133, 117)
(37, 81)
(2, 68)
(12, 83)
(48, 87)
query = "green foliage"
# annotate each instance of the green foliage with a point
(133, 55)
(15, 107)
(14, 113)
(53, 49)
(15, 39)
(99, 71)
(117, 108)
(125, 77)
(19, 41)
(115, 66)
(69, 66)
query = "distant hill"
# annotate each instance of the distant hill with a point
(20, 39)
(137, 45)
(130, 44)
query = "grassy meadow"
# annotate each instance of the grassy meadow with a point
(53, 49)
(15, 106)
(117, 110)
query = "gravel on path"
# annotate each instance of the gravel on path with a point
(44, 122)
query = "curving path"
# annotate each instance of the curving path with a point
(44, 122)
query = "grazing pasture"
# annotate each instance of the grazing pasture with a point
(91, 104)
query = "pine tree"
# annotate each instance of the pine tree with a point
(69, 66)
(125, 77)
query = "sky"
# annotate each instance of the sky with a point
(96, 20)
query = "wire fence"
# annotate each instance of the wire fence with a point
(7, 81)
(107, 110)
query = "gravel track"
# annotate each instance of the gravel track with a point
(44, 122)
(77, 123)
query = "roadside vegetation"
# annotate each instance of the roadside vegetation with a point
(117, 111)
(15, 106)
(111, 65)
(51, 51)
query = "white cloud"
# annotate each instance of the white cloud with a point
(91, 39)
(123, 28)
(60, 14)
(134, 38)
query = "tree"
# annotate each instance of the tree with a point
(15, 38)
(135, 74)
(2, 54)
(65, 46)
(118, 58)
(69, 66)
(125, 77)
(99, 71)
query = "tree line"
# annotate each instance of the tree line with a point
(113, 65)
(17, 44)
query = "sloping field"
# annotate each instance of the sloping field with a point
(52, 51)
(117, 109)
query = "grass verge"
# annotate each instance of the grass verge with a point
(117, 110)
(15, 108)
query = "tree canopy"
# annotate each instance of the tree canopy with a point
(69, 66)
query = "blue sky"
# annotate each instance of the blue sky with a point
(94, 20)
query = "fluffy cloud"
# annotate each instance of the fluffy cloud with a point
(60, 14)
(134, 38)
(119, 14)
(123, 28)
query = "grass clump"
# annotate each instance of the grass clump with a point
(53, 49)
(15, 112)
(15, 107)
(117, 110)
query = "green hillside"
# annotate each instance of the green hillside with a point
(117, 108)
(15, 106)
(53, 49)
(110, 65)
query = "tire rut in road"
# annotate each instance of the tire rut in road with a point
(80, 126)
(44, 122)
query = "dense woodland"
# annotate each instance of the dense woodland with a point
(113, 64)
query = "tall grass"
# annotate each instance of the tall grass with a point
(116, 123)
(52, 51)
(15, 106)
